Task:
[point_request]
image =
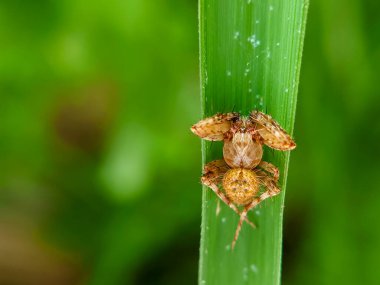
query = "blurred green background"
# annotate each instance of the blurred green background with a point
(99, 173)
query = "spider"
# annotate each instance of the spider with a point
(242, 171)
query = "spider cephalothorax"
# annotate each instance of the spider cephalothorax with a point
(242, 170)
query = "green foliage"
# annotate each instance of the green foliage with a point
(250, 59)
(335, 194)
(99, 173)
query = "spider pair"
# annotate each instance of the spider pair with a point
(242, 171)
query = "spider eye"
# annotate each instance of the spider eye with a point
(235, 118)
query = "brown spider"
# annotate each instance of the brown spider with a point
(242, 171)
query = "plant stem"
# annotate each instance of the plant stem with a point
(250, 56)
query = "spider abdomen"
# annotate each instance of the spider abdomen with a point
(241, 185)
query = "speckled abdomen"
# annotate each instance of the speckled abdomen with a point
(240, 185)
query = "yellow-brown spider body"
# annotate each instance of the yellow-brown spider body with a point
(240, 185)
(242, 150)
(242, 171)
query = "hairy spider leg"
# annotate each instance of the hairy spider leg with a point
(272, 190)
(270, 168)
(214, 128)
(272, 134)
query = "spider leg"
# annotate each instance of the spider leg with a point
(270, 168)
(214, 128)
(212, 175)
(271, 132)
(272, 190)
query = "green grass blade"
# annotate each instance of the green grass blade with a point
(250, 53)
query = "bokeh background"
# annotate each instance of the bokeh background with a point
(99, 172)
